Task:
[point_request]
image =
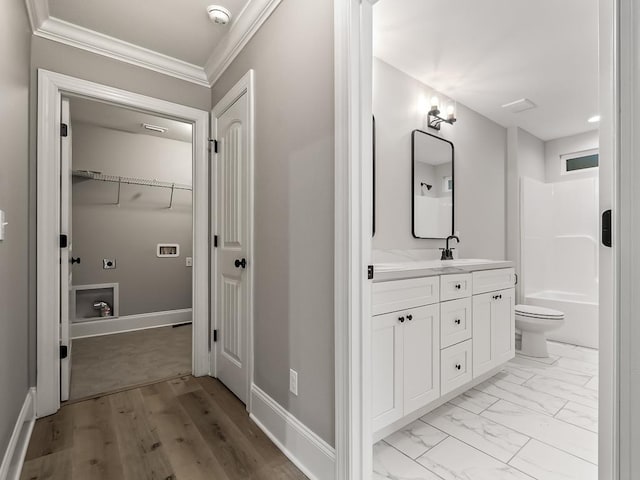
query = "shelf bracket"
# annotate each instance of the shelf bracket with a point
(173, 186)
(119, 185)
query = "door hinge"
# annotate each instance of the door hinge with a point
(215, 335)
(64, 352)
(215, 241)
(215, 145)
(64, 241)
(370, 272)
(64, 130)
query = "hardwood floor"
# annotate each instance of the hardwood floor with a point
(183, 429)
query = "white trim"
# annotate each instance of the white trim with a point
(310, 453)
(70, 34)
(130, 323)
(248, 22)
(353, 208)
(255, 13)
(51, 87)
(13, 458)
(245, 84)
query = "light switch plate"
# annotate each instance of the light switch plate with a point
(189, 262)
(3, 224)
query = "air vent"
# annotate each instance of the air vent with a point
(518, 106)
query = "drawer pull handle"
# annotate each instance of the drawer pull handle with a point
(497, 297)
(409, 317)
(458, 366)
(457, 321)
(458, 286)
(401, 319)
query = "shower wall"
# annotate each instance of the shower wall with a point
(559, 247)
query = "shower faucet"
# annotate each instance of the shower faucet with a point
(447, 253)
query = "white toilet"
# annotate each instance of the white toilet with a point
(534, 322)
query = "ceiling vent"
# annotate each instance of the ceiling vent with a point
(518, 106)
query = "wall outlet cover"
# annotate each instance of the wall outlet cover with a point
(293, 381)
(108, 263)
(189, 262)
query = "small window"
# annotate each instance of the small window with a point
(575, 162)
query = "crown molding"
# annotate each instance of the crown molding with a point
(38, 11)
(248, 22)
(254, 14)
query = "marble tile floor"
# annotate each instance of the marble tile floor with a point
(535, 420)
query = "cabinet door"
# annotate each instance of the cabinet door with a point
(421, 352)
(387, 366)
(482, 337)
(503, 326)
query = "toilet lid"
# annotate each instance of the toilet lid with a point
(538, 312)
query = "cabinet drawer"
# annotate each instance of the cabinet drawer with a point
(456, 367)
(455, 286)
(492, 280)
(455, 321)
(396, 295)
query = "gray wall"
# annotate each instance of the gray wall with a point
(525, 158)
(78, 63)
(130, 232)
(480, 178)
(14, 138)
(560, 146)
(292, 56)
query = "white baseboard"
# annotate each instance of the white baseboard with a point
(128, 323)
(312, 455)
(13, 459)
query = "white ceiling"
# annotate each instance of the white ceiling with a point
(487, 53)
(123, 119)
(178, 28)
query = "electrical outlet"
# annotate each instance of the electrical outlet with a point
(189, 262)
(293, 381)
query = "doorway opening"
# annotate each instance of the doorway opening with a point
(103, 298)
(126, 210)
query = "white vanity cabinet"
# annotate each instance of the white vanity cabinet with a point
(435, 336)
(406, 349)
(493, 319)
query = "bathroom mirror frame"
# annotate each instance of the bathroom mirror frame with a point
(413, 186)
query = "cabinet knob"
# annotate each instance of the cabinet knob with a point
(457, 321)
(409, 317)
(458, 286)
(458, 366)
(401, 319)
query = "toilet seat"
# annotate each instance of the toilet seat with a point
(532, 311)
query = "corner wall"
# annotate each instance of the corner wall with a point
(14, 167)
(292, 55)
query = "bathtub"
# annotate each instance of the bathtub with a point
(581, 316)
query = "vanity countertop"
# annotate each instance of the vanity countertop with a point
(397, 270)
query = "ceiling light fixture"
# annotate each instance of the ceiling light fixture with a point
(155, 128)
(594, 119)
(218, 14)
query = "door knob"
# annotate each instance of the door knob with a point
(241, 263)
(75, 260)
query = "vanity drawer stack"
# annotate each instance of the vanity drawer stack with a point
(456, 366)
(434, 335)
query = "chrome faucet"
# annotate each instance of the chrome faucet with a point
(447, 253)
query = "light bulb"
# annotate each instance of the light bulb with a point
(451, 112)
(434, 103)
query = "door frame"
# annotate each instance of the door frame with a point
(51, 87)
(353, 209)
(244, 85)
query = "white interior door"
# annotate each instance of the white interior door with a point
(66, 307)
(233, 262)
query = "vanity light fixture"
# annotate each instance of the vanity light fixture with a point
(433, 116)
(218, 14)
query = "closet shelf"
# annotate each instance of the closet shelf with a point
(131, 181)
(102, 177)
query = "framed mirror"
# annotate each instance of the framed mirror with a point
(432, 186)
